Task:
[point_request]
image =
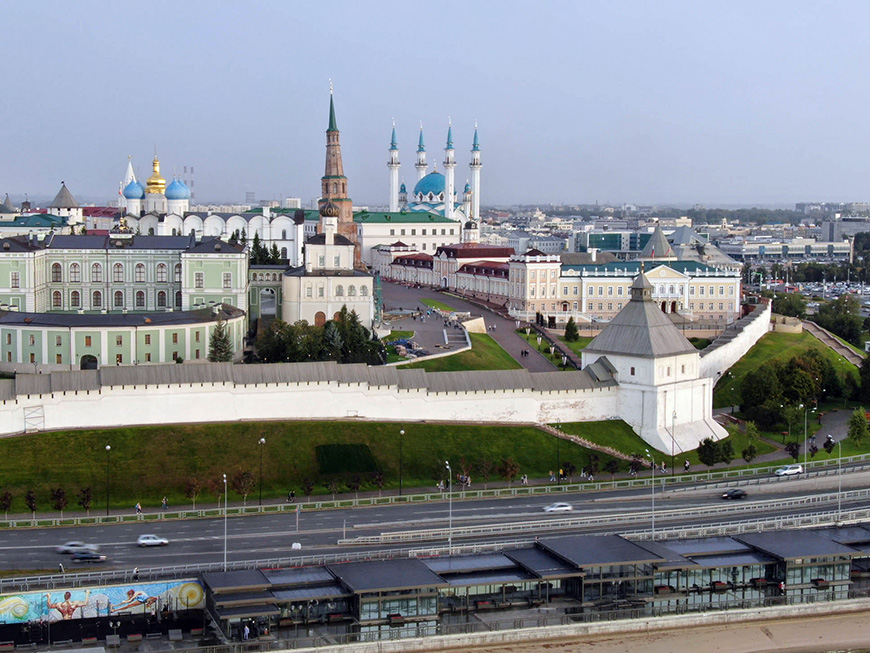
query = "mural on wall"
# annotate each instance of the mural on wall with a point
(78, 603)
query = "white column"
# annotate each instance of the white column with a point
(450, 183)
(393, 165)
(475, 166)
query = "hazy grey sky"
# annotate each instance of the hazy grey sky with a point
(646, 102)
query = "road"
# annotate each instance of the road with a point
(195, 542)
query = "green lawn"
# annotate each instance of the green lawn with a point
(618, 434)
(149, 462)
(772, 346)
(392, 356)
(434, 303)
(532, 338)
(485, 354)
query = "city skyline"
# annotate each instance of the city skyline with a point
(576, 102)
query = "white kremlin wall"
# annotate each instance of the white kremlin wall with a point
(737, 340)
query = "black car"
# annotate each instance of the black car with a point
(88, 556)
(734, 493)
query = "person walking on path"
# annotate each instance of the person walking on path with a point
(138, 508)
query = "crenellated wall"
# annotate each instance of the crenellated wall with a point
(737, 339)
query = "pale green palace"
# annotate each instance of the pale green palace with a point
(79, 301)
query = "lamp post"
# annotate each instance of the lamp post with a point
(108, 449)
(806, 412)
(401, 445)
(262, 442)
(652, 486)
(539, 343)
(673, 441)
(225, 522)
(450, 504)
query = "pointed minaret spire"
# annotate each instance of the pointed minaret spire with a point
(449, 133)
(475, 166)
(393, 165)
(333, 126)
(421, 165)
(449, 182)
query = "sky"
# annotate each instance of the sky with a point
(731, 103)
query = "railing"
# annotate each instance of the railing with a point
(676, 483)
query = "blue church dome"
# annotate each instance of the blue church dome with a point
(177, 190)
(134, 191)
(432, 183)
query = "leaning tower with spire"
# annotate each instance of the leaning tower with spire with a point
(334, 183)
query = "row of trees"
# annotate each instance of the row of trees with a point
(259, 254)
(344, 340)
(57, 496)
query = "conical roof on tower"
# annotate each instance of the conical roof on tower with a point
(393, 144)
(421, 147)
(7, 206)
(63, 199)
(333, 125)
(640, 329)
(475, 146)
(657, 247)
(449, 137)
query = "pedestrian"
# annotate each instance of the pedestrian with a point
(138, 508)
(552, 478)
(246, 633)
(135, 573)
(686, 466)
(591, 478)
(60, 568)
(164, 504)
(292, 496)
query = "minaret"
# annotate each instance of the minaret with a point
(449, 165)
(334, 183)
(475, 166)
(421, 157)
(393, 165)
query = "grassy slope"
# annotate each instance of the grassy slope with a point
(773, 346)
(485, 354)
(148, 462)
(434, 303)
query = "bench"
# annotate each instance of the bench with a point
(7, 646)
(62, 642)
(175, 635)
(89, 641)
(113, 641)
(134, 637)
(196, 632)
(28, 645)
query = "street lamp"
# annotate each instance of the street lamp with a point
(108, 449)
(262, 442)
(806, 412)
(401, 446)
(450, 503)
(653, 493)
(225, 522)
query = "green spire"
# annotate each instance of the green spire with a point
(333, 127)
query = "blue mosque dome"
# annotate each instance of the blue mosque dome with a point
(177, 190)
(467, 187)
(402, 188)
(134, 191)
(432, 183)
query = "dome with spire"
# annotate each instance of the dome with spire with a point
(403, 188)
(329, 210)
(134, 191)
(467, 187)
(177, 190)
(156, 184)
(432, 183)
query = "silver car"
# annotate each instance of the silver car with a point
(77, 547)
(789, 470)
(559, 507)
(151, 540)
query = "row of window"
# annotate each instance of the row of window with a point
(444, 232)
(119, 358)
(119, 339)
(339, 291)
(75, 273)
(118, 300)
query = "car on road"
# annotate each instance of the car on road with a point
(76, 547)
(734, 493)
(151, 540)
(789, 470)
(88, 556)
(559, 507)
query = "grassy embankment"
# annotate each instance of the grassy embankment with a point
(485, 354)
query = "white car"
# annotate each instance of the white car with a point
(559, 507)
(151, 540)
(77, 547)
(789, 470)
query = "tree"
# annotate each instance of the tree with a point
(220, 345)
(793, 449)
(191, 489)
(59, 500)
(307, 487)
(749, 453)
(6, 503)
(86, 499)
(243, 483)
(790, 304)
(708, 452)
(570, 469)
(354, 483)
(30, 502)
(813, 450)
(612, 467)
(726, 451)
(378, 480)
(858, 430)
(274, 254)
(843, 317)
(509, 469)
(751, 432)
(864, 374)
(571, 332)
(594, 464)
(759, 386)
(485, 468)
(332, 341)
(636, 464)
(216, 488)
(331, 486)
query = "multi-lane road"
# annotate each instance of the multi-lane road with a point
(271, 536)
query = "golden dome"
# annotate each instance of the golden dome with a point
(155, 184)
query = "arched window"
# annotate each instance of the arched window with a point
(118, 273)
(174, 231)
(75, 272)
(283, 234)
(75, 299)
(178, 273)
(364, 291)
(140, 299)
(56, 299)
(339, 291)
(284, 252)
(96, 272)
(96, 299)
(119, 299)
(351, 291)
(161, 272)
(671, 289)
(178, 299)
(56, 273)
(161, 299)
(139, 272)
